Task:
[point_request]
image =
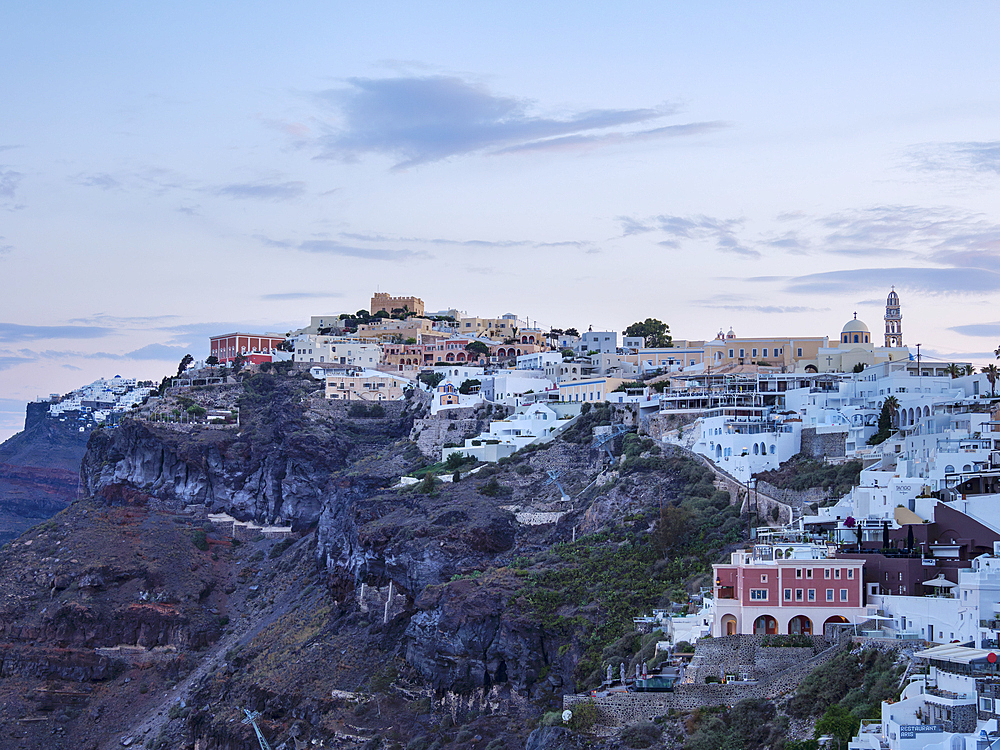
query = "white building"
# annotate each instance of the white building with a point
(337, 350)
(744, 441)
(506, 436)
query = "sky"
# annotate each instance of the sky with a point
(171, 171)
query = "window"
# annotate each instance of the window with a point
(843, 595)
(826, 572)
(758, 595)
(743, 352)
(730, 353)
(765, 352)
(850, 574)
(986, 704)
(812, 595)
(798, 572)
(754, 352)
(829, 595)
(836, 572)
(788, 595)
(809, 572)
(763, 577)
(799, 351)
(798, 595)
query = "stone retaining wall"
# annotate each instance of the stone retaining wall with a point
(628, 708)
(821, 445)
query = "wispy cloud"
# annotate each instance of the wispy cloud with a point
(100, 180)
(284, 296)
(931, 281)
(10, 181)
(768, 309)
(331, 247)
(989, 330)
(158, 352)
(958, 156)
(417, 120)
(679, 230)
(11, 332)
(270, 191)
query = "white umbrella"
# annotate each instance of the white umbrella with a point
(940, 582)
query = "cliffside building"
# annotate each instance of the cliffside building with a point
(382, 302)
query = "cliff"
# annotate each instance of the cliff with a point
(396, 611)
(39, 469)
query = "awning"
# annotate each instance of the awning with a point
(940, 582)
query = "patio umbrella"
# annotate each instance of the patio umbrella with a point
(940, 582)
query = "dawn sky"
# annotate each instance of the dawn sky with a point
(195, 168)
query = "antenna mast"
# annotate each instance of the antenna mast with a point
(252, 720)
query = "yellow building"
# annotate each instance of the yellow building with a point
(363, 388)
(382, 302)
(775, 351)
(395, 330)
(497, 329)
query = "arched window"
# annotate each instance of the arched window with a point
(949, 469)
(774, 449)
(756, 449)
(967, 467)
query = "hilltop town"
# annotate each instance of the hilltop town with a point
(794, 502)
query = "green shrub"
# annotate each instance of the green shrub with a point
(279, 549)
(641, 735)
(585, 715)
(199, 539)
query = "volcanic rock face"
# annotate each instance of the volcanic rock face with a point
(38, 471)
(279, 466)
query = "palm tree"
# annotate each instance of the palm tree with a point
(968, 370)
(992, 374)
(892, 404)
(997, 352)
(954, 370)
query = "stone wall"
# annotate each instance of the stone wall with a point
(623, 709)
(822, 445)
(450, 426)
(794, 498)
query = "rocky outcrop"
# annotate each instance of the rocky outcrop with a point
(279, 465)
(466, 637)
(46, 663)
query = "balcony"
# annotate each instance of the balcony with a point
(947, 698)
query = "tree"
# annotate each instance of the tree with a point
(672, 528)
(186, 360)
(992, 373)
(838, 723)
(968, 370)
(572, 332)
(886, 421)
(859, 367)
(954, 370)
(467, 385)
(212, 361)
(238, 363)
(431, 379)
(655, 332)
(478, 348)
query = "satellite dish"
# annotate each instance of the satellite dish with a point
(567, 715)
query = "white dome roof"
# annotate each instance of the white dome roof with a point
(854, 326)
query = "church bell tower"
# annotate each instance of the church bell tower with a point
(893, 320)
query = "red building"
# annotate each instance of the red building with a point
(787, 589)
(255, 347)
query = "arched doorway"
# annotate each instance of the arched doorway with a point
(765, 625)
(800, 625)
(729, 625)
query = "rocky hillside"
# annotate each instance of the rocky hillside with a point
(39, 471)
(442, 614)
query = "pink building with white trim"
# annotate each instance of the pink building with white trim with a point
(787, 589)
